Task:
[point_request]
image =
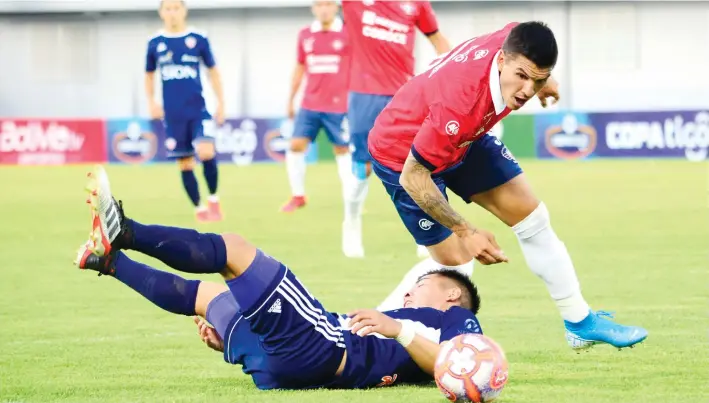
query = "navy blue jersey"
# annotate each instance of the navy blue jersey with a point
(377, 361)
(178, 57)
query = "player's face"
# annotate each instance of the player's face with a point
(520, 79)
(325, 11)
(173, 12)
(431, 291)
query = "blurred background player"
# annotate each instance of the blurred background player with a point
(382, 36)
(178, 52)
(323, 55)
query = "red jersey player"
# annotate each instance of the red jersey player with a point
(382, 34)
(323, 55)
(433, 136)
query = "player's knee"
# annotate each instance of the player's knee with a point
(206, 151)
(239, 254)
(340, 150)
(186, 164)
(299, 145)
(534, 223)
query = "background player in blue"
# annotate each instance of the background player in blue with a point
(177, 52)
(268, 321)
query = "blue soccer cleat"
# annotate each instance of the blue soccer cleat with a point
(597, 329)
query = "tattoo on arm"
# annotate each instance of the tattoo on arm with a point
(420, 186)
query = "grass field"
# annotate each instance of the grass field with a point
(637, 231)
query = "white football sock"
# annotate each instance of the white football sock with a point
(355, 198)
(395, 300)
(548, 258)
(295, 165)
(344, 170)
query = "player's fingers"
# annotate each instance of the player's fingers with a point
(485, 258)
(368, 330)
(498, 256)
(364, 323)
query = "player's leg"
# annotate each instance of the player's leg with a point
(179, 146)
(337, 131)
(166, 290)
(363, 110)
(203, 132)
(305, 130)
(505, 192)
(446, 248)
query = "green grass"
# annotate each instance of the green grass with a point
(637, 232)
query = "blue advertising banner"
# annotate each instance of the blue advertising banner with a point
(664, 134)
(240, 141)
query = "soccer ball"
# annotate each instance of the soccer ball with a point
(471, 368)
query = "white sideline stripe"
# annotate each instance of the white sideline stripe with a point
(228, 339)
(321, 319)
(335, 340)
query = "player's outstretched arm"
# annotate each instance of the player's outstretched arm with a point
(421, 350)
(440, 43)
(215, 78)
(416, 180)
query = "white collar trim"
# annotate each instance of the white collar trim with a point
(495, 90)
(336, 26)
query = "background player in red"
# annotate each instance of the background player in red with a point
(323, 55)
(433, 136)
(382, 36)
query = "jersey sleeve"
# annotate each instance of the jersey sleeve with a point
(150, 59)
(457, 321)
(435, 141)
(301, 50)
(427, 22)
(206, 53)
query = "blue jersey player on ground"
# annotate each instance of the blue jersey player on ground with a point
(177, 52)
(266, 320)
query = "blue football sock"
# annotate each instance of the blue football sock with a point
(180, 248)
(166, 290)
(189, 181)
(211, 175)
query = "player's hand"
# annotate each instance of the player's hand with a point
(208, 334)
(291, 111)
(366, 321)
(484, 247)
(550, 90)
(220, 117)
(156, 111)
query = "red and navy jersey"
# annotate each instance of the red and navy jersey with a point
(326, 58)
(178, 58)
(377, 361)
(382, 35)
(440, 112)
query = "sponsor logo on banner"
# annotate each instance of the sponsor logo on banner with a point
(52, 141)
(682, 134)
(131, 141)
(237, 140)
(565, 135)
(275, 144)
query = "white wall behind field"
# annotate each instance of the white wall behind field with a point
(614, 56)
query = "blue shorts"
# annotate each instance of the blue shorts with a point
(182, 134)
(487, 165)
(363, 110)
(278, 331)
(308, 124)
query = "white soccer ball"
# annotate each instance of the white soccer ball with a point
(471, 368)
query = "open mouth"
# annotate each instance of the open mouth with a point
(519, 102)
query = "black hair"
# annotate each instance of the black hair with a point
(470, 298)
(535, 41)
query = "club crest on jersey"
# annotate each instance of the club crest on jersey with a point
(408, 8)
(480, 54)
(452, 128)
(337, 44)
(191, 42)
(161, 47)
(308, 45)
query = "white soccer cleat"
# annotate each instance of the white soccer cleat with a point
(106, 214)
(352, 239)
(422, 252)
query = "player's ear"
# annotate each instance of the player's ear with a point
(454, 294)
(501, 60)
